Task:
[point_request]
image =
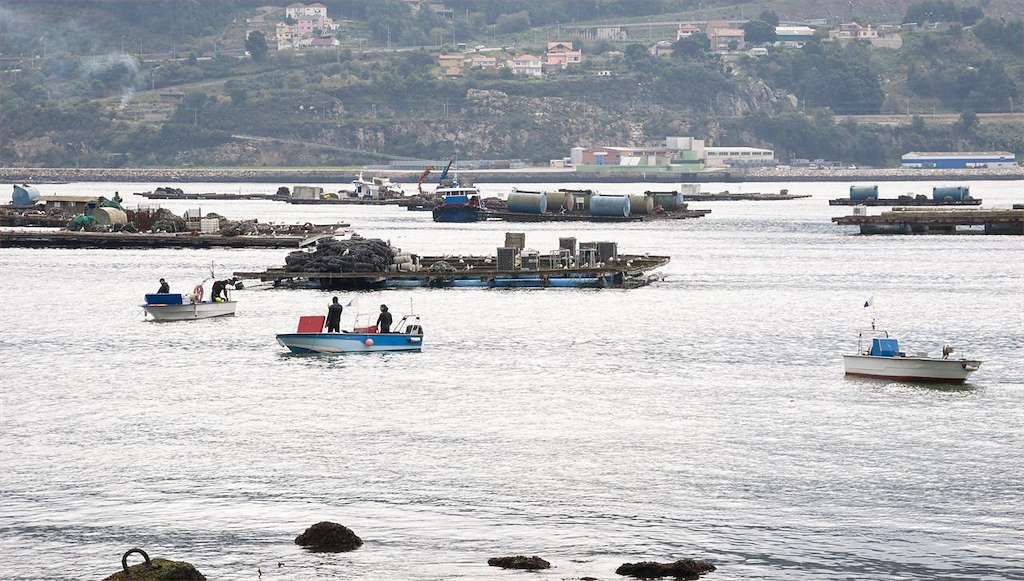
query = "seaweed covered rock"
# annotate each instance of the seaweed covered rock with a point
(355, 255)
(237, 228)
(329, 537)
(159, 570)
(519, 562)
(681, 569)
(168, 221)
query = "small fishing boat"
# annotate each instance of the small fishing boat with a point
(882, 358)
(310, 338)
(178, 307)
(375, 188)
(457, 204)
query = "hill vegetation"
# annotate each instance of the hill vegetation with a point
(139, 83)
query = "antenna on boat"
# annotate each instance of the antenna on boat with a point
(871, 303)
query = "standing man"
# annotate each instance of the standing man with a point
(164, 287)
(384, 320)
(334, 316)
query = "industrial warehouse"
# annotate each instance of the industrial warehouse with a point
(958, 160)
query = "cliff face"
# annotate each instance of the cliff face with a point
(492, 124)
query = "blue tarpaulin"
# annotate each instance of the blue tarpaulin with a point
(885, 347)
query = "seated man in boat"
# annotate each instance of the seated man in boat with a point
(334, 316)
(164, 287)
(384, 320)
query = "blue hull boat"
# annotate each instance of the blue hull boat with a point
(458, 213)
(350, 342)
(310, 339)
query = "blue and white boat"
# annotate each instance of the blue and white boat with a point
(457, 204)
(884, 359)
(365, 340)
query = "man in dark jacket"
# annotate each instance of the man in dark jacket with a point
(164, 287)
(334, 316)
(219, 292)
(384, 320)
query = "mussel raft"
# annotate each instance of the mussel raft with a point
(372, 264)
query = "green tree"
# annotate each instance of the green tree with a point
(697, 46)
(968, 121)
(770, 17)
(256, 45)
(515, 22)
(759, 32)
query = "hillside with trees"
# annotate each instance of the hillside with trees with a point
(133, 83)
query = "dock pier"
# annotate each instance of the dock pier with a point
(66, 239)
(937, 221)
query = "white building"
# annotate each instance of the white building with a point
(296, 11)
(528, 65)
(738, 156)
(610, 33)
(793, 36)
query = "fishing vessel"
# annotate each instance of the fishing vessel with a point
(457, 204)
(879, 355)
(453, 202)
(375, 188)
(178, 307)
(309, 338)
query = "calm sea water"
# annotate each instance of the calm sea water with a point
(705, 416)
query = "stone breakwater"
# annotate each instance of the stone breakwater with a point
(527, 175)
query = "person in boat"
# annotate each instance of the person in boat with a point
(334, 316)
(384, 320)
(164, 287)
(219, 292)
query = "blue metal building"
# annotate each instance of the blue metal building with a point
(959, 159)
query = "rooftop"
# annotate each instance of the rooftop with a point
(958, 154)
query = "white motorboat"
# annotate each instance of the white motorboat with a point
(179, 307)
(882, 358)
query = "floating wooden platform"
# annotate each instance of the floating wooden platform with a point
(33, 221)
(64, 239)
(628, 271)
(580, 217)
(209, 196)
(738, 197)
(936, 221)
(904, 201)
(351, 202)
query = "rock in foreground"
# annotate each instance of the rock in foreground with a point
(329, 537)
(519, 562)
(159, 570)
(681, 569)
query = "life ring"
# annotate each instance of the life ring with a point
(308, 226)
(197, 294)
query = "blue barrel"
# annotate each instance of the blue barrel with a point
(861, 193)
(609, 206)
(954, 193)
(25, 196)
(527, 203)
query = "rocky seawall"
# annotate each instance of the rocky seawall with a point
(528, 175)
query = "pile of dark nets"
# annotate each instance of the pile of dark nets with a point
(356, 255)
